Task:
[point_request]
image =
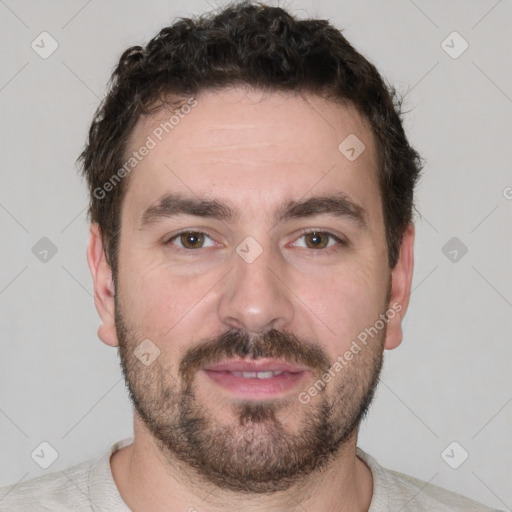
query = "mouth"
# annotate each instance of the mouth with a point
(262, 378)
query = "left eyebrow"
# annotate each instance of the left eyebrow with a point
(337, 205)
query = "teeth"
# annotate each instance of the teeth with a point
(256, 375)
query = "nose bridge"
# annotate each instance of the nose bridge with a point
(254, 297)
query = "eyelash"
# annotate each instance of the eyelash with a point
(327, 250)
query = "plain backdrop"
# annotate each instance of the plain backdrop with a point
(450, 380)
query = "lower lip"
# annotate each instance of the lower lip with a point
(254, 387)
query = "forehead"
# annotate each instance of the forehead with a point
(253, 148)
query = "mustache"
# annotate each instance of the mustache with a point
(237, 343)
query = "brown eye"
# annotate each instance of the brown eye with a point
(317, 240)
(191, 240)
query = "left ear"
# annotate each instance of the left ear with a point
(401, 282)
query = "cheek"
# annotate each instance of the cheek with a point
(162, 302)
(343, 303)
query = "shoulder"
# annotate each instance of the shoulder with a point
(426, 495)
(59, 491)
(397, 491)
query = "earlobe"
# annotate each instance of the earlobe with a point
(104, 291)
(401, 282)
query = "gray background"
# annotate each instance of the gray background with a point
(449, 381)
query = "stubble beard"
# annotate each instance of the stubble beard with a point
(249, 448)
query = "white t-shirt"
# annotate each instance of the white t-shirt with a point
(90, 487)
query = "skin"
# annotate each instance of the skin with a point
(252, 151)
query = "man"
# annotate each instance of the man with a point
(251, 248)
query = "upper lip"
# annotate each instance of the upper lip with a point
(258, 365)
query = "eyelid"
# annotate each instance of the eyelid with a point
(302, 232)
(168, 240)
(307, 231)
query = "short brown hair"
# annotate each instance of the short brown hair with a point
(262, 47)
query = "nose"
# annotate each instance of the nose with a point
(256, 296)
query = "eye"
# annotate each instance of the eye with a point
(191, 240)
(318, 240)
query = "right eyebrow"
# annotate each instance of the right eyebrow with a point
(171, 205)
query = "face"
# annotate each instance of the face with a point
(252, 263)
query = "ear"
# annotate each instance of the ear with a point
(103, 287)
(401, 281)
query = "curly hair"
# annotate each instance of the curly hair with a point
(262, 47)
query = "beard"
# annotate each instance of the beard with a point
(248, 448)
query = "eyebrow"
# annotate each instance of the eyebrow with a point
(173, 204)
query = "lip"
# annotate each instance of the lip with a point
(254, 387)
(257, 365)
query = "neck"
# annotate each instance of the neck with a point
(149, 480)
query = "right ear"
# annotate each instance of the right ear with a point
(104, 292)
